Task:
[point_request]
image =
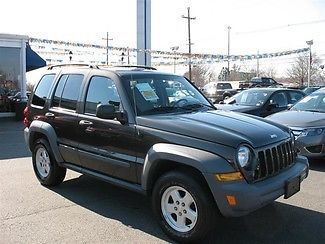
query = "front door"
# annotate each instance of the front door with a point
(105, 145)
(279, 101)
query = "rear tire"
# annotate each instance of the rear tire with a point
(46, 168)
(184, 208)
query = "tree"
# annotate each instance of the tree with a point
(298, 72)
(202, 75)
(268, 72)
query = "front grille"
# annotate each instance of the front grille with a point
(271, 161)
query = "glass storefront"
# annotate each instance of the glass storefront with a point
(10, 76)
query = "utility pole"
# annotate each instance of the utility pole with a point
(309, 43)
(189, 18)
(228, 61)
(128, 53)
(107, 39)
(174, 49)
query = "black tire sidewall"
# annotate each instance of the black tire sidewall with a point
(203, 204)
(56, 173)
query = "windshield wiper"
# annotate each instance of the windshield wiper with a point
(313, 110)
(166, 109)
(195, 106)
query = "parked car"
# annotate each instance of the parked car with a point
(262, 101)
(3, 100)
(311, 89)
(218, 91)
(259, 82)
(307, 121)
(127, 126)
(14, 99)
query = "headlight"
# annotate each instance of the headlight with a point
(312, 132)
(243, 156)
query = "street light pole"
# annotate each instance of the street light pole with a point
(228, 61)
(309, 43)
(189, 18)
(257, 64)
(174, 49)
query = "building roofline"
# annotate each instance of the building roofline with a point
(6, 36)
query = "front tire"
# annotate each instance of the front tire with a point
(46, 169)
(184, 208)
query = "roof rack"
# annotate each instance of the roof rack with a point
(83, 65)
(136, 66)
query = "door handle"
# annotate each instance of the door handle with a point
(85, 122)
(49, 115)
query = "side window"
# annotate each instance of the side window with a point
(101, 90)
(71, 92)
(42, 90)
(295, 97)
(280, 99)
(58, 91)
(67, 91)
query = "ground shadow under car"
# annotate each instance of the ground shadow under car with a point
(276, 223)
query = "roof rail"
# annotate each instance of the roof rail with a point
(83, 65)
(136, 66)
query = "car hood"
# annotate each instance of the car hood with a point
(223, 127)
(301, 119)
(235, 107)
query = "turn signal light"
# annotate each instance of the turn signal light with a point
(229, 176)
(231, 200)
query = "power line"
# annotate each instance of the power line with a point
(281, 27)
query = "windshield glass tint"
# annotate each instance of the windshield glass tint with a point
(155, 94)
(252, 97)
(314, 102)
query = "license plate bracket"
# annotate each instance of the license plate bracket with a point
(292, 186)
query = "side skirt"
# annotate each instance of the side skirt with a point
(113, 181)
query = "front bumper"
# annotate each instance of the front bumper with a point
(250, 197)
(214, 98)
(311, 146)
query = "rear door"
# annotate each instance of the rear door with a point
(106, 145)
(62, 114)
(294, 97)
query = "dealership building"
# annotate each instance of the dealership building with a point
(16, 58)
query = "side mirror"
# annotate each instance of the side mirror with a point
(108, 111)
(105, 111)
(272, 105)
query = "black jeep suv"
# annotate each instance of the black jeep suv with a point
(156, 134)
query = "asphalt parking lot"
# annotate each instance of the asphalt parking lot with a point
(85, 210)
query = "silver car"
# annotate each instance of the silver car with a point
(307, 121)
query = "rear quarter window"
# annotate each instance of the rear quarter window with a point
(42, 90)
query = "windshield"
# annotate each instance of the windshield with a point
(156, 94)
(251, 97)
(314, 103)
